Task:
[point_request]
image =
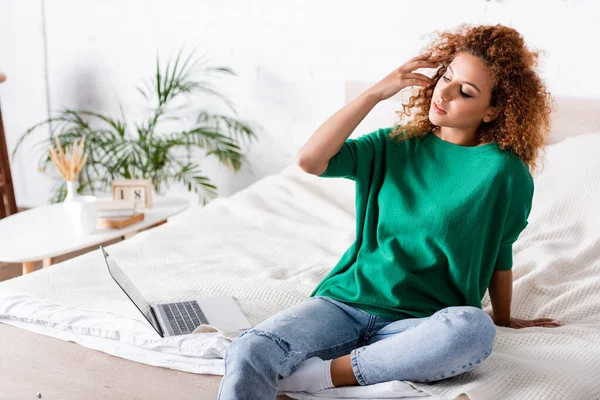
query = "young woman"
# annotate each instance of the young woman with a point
(439, 202)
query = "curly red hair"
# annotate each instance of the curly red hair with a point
(525, 106)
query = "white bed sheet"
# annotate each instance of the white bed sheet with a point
(270, 244)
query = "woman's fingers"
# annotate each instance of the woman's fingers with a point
(425, 64)
(415, 75)
(411, 66)
(546, 322)
(542, 320)
(422, 56)
(419, 82)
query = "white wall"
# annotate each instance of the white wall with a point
(292, 59)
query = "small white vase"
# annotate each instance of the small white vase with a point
(71, 192)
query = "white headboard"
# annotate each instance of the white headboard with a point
(572, 116)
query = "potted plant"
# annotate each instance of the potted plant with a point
(116, 149)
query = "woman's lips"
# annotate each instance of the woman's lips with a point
(437, 109)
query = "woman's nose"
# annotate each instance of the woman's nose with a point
(445, 96)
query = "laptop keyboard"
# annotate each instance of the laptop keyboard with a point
(184, 316)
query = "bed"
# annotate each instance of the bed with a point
(69, 331)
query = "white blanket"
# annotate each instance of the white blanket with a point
(270, 244)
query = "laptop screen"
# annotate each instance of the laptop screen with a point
(134, 295)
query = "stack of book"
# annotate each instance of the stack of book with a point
(116, 214)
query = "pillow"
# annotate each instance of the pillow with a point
(566, 192)
(574, 116)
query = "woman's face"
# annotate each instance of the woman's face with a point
(464, 93)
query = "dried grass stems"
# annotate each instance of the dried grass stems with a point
(69, 162)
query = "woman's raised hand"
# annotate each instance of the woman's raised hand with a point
(403, 77)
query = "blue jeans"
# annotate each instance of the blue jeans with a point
(450, 342)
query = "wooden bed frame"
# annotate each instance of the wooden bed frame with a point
(57, 369)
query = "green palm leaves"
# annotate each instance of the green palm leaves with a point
(161, 146)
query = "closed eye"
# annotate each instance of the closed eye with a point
(461, 92)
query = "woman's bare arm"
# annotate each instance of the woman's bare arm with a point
(501, 296)
(327, 140)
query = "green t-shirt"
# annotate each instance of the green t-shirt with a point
(433, 221)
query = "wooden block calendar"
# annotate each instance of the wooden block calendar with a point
(139, 190)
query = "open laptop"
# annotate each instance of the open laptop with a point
(183, 317)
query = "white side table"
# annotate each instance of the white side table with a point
(43, 233)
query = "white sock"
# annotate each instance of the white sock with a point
(313, 375)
